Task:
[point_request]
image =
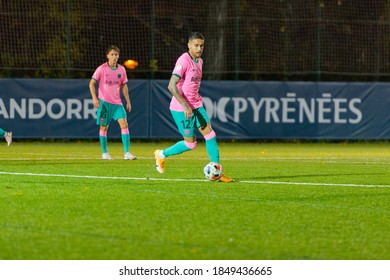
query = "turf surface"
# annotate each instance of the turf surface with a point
(290, 201)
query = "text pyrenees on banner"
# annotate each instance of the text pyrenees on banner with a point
(61, 108)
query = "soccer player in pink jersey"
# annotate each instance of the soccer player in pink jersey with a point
(7, 135)
(187, 108)
(112, 79)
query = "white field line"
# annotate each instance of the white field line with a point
(189, 180)
(43, 159)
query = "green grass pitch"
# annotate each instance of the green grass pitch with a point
(290, 201)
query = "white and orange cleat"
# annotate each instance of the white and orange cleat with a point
(225, 179)
(159, 161)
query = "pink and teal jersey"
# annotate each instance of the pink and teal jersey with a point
(110, 81)
(190, 73)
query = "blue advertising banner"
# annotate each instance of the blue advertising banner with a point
(299, 110)
(63, 109)
(287, 110)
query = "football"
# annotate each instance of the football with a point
(212, 171)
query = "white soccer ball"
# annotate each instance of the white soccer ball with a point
(212, 171)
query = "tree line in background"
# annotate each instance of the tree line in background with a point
(245, 39)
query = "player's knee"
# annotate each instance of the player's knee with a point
(125, 130)
(210, 135)
(190, 145)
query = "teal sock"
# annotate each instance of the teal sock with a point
(126, 142)
(103, 143)
(2, 132)
(178, 148)
(212, 149)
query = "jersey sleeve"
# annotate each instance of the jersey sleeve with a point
(180, 67)
(98, 72)
(124, 79)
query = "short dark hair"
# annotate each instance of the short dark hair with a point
(195, 35)
(112, 47)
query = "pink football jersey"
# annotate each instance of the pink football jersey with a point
(190, 72)
(110, 81)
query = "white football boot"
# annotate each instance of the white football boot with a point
(129, 156)
(106, 156)
(8, 138)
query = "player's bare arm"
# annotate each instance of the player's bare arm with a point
(125, 91)
(92, 89)
(172, 87)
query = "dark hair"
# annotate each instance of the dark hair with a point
(195, 35)
(112, 47)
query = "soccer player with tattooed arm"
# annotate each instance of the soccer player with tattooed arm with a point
(187, 108)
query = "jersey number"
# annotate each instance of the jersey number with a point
(186, 124)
